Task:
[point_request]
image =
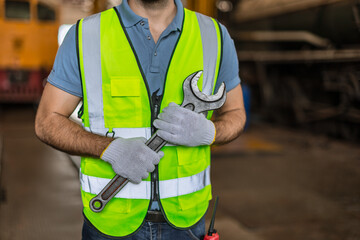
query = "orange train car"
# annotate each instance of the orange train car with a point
(207, 7)
(28, 45)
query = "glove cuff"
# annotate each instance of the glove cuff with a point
(214, 134)
(210, 133)
(111, 152)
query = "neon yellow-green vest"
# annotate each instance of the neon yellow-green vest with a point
(117, 104)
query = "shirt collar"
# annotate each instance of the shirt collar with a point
(130, 19)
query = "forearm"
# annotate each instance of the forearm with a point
(63, 134)
(229, 125)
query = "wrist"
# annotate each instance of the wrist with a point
(102, 153)
(213, 141)
(210, 133)
(109, 149)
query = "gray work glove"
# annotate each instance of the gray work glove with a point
(131, 158)
(181, 126)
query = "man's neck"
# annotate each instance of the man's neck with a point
(159, 14)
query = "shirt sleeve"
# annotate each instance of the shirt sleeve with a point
(229, 68)
(65, 73)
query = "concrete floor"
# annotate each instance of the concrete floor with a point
(42, 193)
(286, 184)
(273, 184)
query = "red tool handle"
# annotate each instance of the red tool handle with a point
(214, 236)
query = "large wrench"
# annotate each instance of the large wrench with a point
(193, 100)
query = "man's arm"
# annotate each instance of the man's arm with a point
(230, 118)
(53, 126)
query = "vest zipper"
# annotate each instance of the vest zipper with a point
(156, 100)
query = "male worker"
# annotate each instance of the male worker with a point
(128, 64)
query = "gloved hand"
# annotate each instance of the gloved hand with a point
(181, 126)
(131, 158)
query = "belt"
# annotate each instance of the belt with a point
(155, 217)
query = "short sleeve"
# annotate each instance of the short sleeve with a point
(65, 73)
(229, 69)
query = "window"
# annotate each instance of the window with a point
(17, 10)
(45, 13)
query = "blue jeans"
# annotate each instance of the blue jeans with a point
(151, 231)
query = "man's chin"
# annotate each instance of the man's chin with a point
(152, 1)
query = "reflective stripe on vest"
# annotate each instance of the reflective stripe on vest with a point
(210, 51)
(175, 187)
(122, 132)
(92, 69)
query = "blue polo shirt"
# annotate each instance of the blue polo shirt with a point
(154, 57)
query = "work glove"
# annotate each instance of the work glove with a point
(181, 126)
(131, 158)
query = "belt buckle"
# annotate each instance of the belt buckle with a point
(155, 216)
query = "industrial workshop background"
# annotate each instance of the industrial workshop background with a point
(293, 174)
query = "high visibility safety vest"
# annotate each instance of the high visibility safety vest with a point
(117, 103)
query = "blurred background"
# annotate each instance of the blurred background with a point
(293, 174)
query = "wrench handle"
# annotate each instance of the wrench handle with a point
(155, 143)
(98, 203)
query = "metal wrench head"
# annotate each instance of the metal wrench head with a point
(198, 101)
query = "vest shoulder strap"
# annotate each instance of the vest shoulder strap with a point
(212, 50)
